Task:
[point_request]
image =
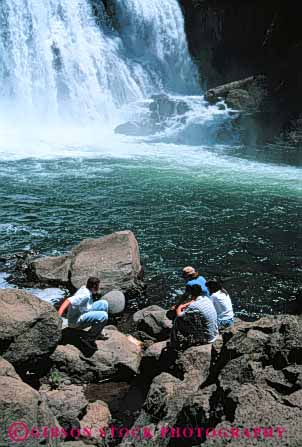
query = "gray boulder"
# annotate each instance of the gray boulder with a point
(7, 369)
(252, 406)
(137, 129)
(194, 363)
(67, 404)
(118, 356)
(116, 301)
(114, 259)
(168, 396)
(154, 322)
(164, 107)
(29, 328)
(22, 405)
(97, 417)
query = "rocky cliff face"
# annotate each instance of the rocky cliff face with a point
(231, 40)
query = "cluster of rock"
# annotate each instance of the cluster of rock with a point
(114, 259)
(246, 94)
(157, 116)
(232, 40)
(251, 377)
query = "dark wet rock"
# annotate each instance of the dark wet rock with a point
(153, 359)
(30, 329)
(231, 40)
(20, 402)
(116, 357)
(246, 94)
(164, 107)
(153, 321)
(113, 258)
(16, 265)
(137, 129)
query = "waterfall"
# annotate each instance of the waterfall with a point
(58, 62)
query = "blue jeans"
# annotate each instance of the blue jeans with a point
(96, 318)
(223, 324)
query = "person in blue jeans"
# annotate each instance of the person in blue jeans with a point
(83, 312)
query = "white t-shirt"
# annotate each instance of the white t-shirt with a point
(80, 303)
(223, 305)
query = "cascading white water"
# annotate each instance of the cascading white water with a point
(57, 63)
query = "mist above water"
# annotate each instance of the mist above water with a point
(58, 63)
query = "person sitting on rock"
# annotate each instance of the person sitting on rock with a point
(192, 277)
(222, 303)
(84, 313)
(196, 321)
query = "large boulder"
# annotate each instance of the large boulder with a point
(259, 383)
(21, 409)
(116, 357)
(246, 94)
(7, 369)
(273, 340)
(169, 395)
(29, 328)
(254, 381)
(153, 321)
(252, 406)
(96, 419)
(67, 404)
(195, 363)
(113, 258)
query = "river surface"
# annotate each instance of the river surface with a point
(233, 212)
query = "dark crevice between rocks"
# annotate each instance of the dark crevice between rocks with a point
(194, 417)
(282, 389)
(295, 356)
(124, 399)
(5, 344)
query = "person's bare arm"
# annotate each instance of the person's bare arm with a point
(181, 308)
(63, 307)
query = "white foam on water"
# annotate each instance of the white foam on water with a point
(67, 80)
(51, 295)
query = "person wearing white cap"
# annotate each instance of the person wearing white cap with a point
(192, 277)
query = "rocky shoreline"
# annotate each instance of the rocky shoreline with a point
(251, 377)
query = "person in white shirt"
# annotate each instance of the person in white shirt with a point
(222, 303)
(83, 312)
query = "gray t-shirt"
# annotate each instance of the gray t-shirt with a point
(201, 318)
